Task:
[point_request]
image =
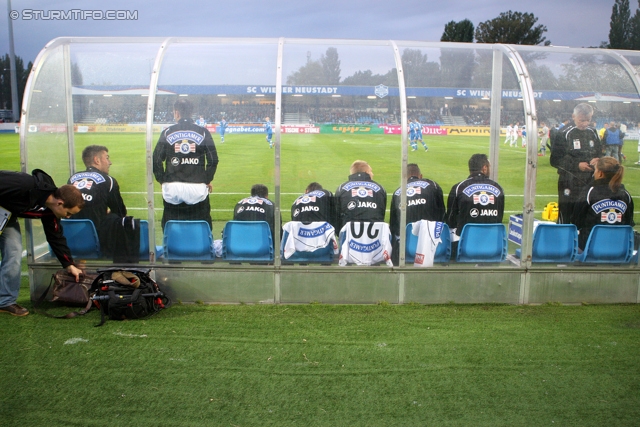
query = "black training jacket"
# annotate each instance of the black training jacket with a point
(424, 201)
(477, 199)
(360, 199)
(100, 192)
(314, 206)
(24, 196)
(185, 153)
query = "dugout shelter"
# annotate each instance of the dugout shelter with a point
(331, 102)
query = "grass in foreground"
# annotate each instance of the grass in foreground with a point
(317, 365)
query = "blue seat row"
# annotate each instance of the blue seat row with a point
(558, 243)
(479, 243)
(252, 241)
(82, 239)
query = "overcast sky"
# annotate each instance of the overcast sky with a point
(575, 23)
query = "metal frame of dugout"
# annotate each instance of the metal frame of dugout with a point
(525, 283)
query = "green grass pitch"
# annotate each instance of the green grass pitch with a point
(313, 364)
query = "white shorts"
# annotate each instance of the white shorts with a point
(184, 192)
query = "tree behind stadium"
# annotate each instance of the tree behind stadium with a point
(324, 71)
(619, 29)
(5, 80)
(624, 30)
(512, 28)
(458, 32)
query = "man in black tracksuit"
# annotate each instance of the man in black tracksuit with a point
(424, 201)
(477, 199)
(32, 196)
(360, 198)
(256, 208)
(574, 151)
(184, 162)
(118, 233)
(316, 204)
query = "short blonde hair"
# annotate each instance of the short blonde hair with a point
(359, 166)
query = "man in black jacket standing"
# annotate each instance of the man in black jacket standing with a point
(32, 196)
(184, 162)
(477, 199)
(575, 150)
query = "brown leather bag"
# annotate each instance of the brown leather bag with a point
(67, 291)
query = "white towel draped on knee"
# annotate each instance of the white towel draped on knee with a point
(308, 237)
(428, 233)
(184, 192)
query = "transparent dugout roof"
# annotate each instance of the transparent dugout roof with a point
(330, 101)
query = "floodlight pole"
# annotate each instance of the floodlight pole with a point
(12, 65)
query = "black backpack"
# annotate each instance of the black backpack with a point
(127, 294)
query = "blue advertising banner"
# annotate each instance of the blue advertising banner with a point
(379, 91)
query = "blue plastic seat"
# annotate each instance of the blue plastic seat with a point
(482, 243)
(188, 240)
(322, 255)
(555, 243)
(609, 244)
(144, 241)
(247, 241)
(443, 251)
(82, 238)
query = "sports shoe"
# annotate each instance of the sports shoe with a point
(426, 149)
(14, 310)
